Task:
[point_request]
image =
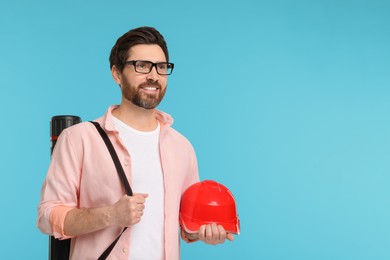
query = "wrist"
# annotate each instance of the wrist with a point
(108, 214)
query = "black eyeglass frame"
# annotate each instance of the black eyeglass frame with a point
(154, 64)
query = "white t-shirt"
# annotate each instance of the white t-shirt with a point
(147, 236)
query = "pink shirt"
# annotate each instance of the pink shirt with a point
(82, 175)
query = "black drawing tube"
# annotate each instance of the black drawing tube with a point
(59, 249)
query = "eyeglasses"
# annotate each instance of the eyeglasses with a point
(145, 67)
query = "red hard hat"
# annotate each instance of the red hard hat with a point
(208, 202)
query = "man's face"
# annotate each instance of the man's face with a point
(143, 90)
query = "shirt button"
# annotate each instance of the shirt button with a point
(124, 250)
(126, 163)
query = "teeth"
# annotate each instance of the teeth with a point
(150, 88)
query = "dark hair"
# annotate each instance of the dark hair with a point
(142, 35)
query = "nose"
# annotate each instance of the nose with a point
(153, 75)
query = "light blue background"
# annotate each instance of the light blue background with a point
(286, 102)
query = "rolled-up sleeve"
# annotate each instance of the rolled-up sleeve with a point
(57, 219)
(60, 190)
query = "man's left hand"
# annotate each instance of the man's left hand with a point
(214, 234)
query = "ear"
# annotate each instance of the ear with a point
(116, 74)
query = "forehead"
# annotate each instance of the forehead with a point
(150, 52)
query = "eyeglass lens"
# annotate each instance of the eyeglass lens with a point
(146, 67)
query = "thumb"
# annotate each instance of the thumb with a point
(144, 195)
(229, 236)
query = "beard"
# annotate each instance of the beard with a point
(144, 100)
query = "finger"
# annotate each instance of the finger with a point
(137, 220)
(137, 198)
(222, 233)
(209, 233)
(202, 233)
(214, 232)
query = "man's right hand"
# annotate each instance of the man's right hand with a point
(124, 213)
(129, 210)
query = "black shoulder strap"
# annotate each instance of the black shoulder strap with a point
(115, 158)
(122, 176)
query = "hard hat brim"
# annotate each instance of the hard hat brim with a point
(191, 226)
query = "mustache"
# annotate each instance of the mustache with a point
(150, 84)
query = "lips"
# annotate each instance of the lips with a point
(150, 86)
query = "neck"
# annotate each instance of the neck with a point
(136, 117)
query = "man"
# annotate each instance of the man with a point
(82, 196)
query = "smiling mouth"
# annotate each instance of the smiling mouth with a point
(150, 88)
